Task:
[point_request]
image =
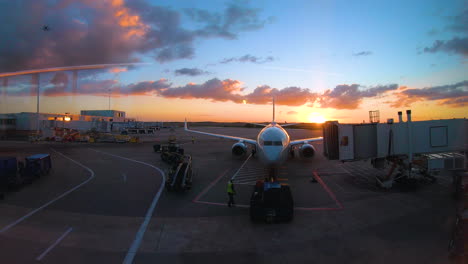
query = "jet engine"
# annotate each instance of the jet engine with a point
(239, 149)
(307, 151)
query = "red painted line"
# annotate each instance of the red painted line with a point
(209, 186)
(332, 195)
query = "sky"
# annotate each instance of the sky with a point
(226, 60)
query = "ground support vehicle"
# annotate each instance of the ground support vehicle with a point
(180, 175)
(271, 202)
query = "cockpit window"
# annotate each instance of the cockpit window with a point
(272, 143)
(277, 143)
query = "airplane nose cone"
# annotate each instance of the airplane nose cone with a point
(272, 154)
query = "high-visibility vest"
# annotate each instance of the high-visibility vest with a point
(230, 187)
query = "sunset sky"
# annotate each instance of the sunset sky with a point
(224, 60)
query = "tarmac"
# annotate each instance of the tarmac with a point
(106, 203)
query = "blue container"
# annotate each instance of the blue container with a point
(8, 169)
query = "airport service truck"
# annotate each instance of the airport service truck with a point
(271, 202)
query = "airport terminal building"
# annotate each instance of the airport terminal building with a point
(24, 123)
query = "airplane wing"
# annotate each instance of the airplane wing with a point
(305, 141)
(288, 124)
(246, 140)
(257, 124)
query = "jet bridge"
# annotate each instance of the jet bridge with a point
(427, 146)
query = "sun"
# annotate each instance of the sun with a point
(316, 118)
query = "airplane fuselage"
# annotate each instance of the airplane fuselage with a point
(273, 145)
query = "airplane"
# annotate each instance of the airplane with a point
(273, 143)
(45, 28)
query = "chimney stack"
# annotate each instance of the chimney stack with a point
(408, 115)
(400, 117)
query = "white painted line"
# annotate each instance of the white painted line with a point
(245, 183)
(54, 244)
(6, 228)
(141, 231)
(246, 177)
(242, 166)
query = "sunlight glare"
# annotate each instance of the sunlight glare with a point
(316, 118)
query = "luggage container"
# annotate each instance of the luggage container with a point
(8, 173)
(36, 166)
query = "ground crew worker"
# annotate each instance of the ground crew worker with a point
(231, 192)
(193, 140)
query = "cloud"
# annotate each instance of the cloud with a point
(291, 96)
(146, 87)
(350, 96)
(235, 18)
(190, 72)
(59, 87)
(363, 53)
(460, 22)
(458, 44)
(59, 82)
(100, 88)
(118, 69)
(214, 89)
(84, 32)
(248, 58)
(453, 95)
(433, 32)
(455, 45)
(231, 90)
(292, 113)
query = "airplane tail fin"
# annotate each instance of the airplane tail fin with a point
(273, 110)
(185, 125)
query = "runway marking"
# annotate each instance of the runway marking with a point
(6, 228)
(141, 231)
(295, 208)
(54, 244)
(223, 204)
(350, 192)
(372, 191)
(195, 200)
(332, 195)
(242, 166)
(340, 207)
(246, 177)
(207, 188)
